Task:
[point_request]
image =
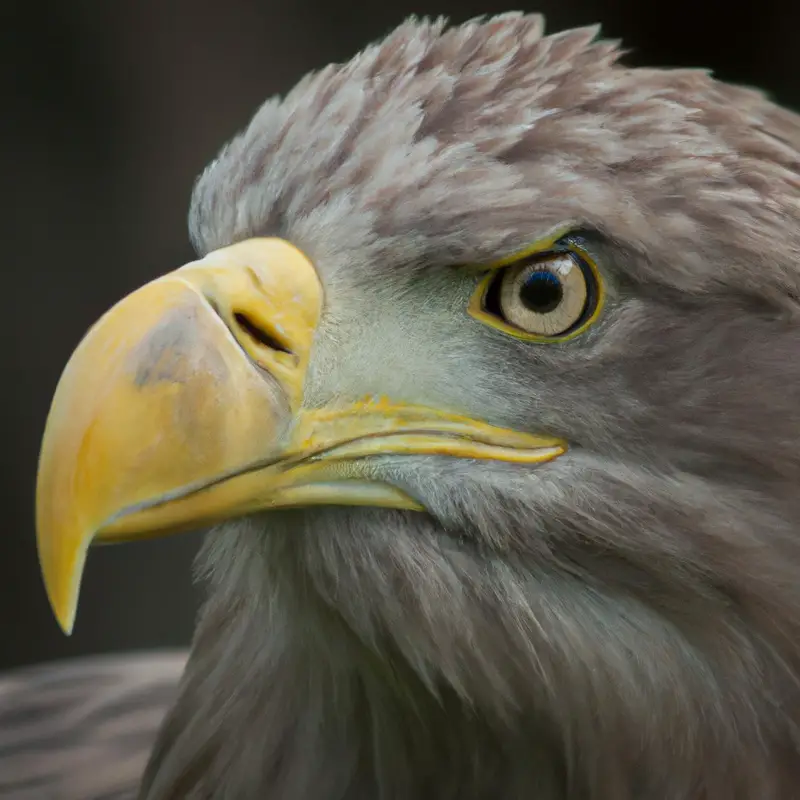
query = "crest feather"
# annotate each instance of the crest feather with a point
(395, 154)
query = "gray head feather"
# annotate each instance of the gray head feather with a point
(621, 623)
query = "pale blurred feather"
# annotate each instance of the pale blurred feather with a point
(83, 729)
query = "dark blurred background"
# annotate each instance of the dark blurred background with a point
(109, 110)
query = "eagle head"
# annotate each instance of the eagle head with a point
(486, 377)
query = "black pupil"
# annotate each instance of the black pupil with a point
(541, 292)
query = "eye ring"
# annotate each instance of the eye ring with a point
(548, 296)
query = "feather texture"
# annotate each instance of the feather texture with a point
(83, 730)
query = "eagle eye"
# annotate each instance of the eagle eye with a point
(545, 296)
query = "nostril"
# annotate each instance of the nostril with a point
(258, 334)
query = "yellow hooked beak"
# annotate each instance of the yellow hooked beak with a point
(183, 406)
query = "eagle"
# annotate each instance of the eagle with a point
(485, 382)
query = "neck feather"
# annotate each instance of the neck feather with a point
(318, 674)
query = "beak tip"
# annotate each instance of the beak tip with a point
(61, 588)
(66, 624)
(64, 611)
